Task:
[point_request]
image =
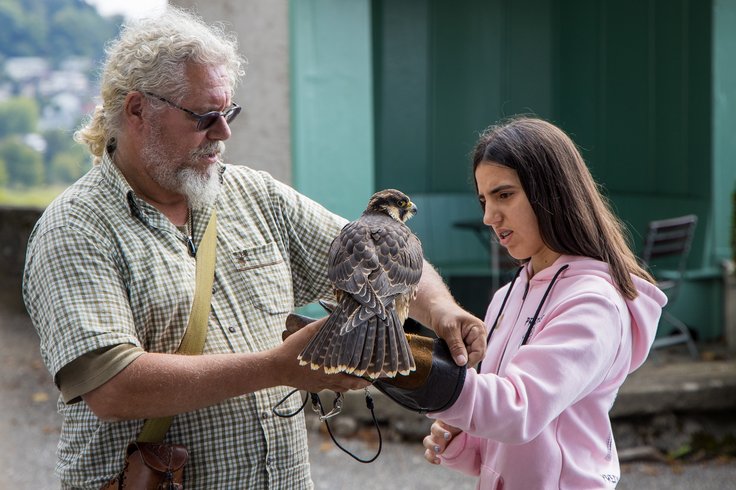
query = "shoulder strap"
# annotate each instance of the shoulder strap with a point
(192, 343)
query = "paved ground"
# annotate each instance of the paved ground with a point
(29, 429)
(401, 466)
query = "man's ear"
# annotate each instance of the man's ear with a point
(133, 108)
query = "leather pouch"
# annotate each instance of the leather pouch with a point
(151, 466)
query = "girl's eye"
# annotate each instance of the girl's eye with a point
(482, 203)
(504, 195)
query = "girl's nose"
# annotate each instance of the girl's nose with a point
(491, 217)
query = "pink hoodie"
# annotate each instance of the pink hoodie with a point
(536, 417)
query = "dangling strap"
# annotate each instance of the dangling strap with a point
(544, 298)
(192, 343)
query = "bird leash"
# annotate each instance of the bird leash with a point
(319, 409)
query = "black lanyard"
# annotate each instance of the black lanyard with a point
(536, 314)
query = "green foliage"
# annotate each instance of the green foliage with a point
(23, 164)
(65, 161)
(67, 166)
(38, 196)
(3, 174)
(704, 445)
(18, 115)
(53, 29)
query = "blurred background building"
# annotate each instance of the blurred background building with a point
(393, 93)
(344, 97)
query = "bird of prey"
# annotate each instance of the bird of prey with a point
(375, 264)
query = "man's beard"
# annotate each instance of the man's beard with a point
(201, 188)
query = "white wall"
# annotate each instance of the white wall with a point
(262, 133)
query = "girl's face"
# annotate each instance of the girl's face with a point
(507, 210)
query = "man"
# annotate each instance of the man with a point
(109, 278)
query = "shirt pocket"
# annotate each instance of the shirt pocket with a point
(267, 277)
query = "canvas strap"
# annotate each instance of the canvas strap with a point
(192, 343)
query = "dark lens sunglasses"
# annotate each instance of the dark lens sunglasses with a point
(204, 121)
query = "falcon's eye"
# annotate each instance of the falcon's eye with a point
(403, 203)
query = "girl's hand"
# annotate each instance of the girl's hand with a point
(436, 442)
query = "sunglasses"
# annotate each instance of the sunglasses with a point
(204, 121)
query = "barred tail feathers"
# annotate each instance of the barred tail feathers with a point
(316, 350)
(373, 347)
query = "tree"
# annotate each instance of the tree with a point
(67, 166)
(53, 29)
(79, 32)
(24, 165)
(18, 115)
(3, 173)
(20, 34)
(65, 161)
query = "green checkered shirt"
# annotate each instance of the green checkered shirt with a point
(105, 268)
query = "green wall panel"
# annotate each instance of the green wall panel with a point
(445, 71)
(635, 95)
(402, 94)
(724, 124)
(646, 89)
(332, 102)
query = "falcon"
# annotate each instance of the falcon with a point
(374, 265)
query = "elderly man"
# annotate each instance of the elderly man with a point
(109, 278)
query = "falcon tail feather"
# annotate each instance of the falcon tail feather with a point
(375, 366)
(375, 347)
(316, 350)
(391, 359)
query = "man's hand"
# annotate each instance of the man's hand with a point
(436, 442)
(304, 377)
(464, 333)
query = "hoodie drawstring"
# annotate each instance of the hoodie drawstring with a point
(536, 314)
(544, 298)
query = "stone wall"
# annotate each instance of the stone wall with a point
(15, 227)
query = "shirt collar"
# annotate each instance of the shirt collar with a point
(138, 207)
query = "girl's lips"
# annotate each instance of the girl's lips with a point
(504, 236)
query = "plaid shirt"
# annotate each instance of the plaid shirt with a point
(105, 268)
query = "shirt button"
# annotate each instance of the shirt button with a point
(214, 289)
(232, 329)
(269, 460)
(265, 415)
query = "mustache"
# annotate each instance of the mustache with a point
(216, 147)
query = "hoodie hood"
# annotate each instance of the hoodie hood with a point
(644, 310)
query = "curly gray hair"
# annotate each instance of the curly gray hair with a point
(150, 55)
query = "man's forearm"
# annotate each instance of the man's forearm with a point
(435, 308)
(157, 385)
(431, 292)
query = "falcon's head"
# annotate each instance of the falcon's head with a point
(393, 203)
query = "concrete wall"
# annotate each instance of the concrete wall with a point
(262, 133)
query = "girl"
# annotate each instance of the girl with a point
(579, 316)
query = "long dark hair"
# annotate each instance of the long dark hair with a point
(573, 217)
